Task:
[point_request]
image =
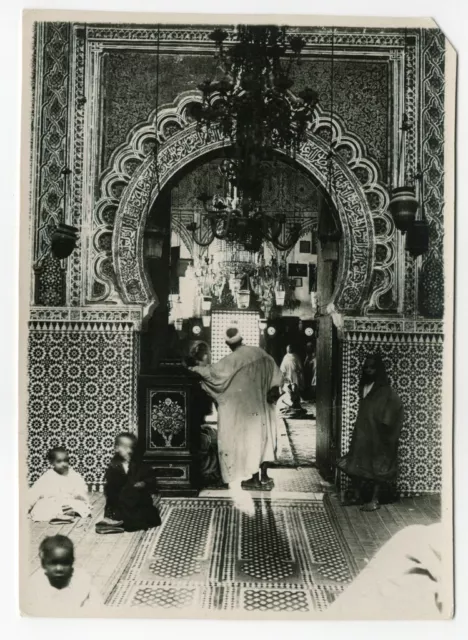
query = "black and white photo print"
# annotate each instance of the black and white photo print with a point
(237, 317)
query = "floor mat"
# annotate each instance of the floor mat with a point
(302, 435)
(209, 558)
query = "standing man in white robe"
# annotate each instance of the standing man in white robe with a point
(242, 385)
(291, 368)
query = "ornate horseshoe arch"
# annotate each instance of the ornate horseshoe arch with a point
(367, 255)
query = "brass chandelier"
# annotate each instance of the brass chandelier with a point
(253, 106)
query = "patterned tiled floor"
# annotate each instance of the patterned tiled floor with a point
(209, 556)
(296, 555)
(299, 551)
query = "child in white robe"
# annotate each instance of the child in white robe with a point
(59, 589)
(60, 493)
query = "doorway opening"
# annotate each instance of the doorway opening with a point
(177, 268)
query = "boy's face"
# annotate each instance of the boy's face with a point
(58, 567)
(124, 448)
(61, 463)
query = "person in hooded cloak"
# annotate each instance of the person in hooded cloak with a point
(373, 452)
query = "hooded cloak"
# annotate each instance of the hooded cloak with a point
(373, 451)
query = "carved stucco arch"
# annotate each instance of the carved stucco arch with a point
(367, 247)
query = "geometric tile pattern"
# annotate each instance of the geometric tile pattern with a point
(289, 557)
(247, 321)
(189, 532)
(322, 544)
(415, 368)
(278, 601)
(164, 598)
(81, 393)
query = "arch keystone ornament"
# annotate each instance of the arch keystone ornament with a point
(367, 259)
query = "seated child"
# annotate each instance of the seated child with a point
(130, 490)
(60, 494)
(60, 587)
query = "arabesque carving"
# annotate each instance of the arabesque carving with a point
(128, 188)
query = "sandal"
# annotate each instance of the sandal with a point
(62, 520)
(103, 528)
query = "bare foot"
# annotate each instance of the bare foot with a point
(370, 506)
(350, 502)
(112, 523)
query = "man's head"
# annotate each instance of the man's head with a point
(373, 369)
(59, 460)
(233, 337)
(125, 444)
(289, 348)
(200, 352)
(57, 557)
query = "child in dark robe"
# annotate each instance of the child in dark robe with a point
(130, 490)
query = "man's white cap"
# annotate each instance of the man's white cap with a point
(233, 335)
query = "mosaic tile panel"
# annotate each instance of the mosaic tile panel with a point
(220, 320)
(81, 379)
(189, 532)
(415, 367)
(288, 558)
(273, 600)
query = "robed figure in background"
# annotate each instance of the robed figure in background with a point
(208, 471)
(373, 453)
(241, 384)
(291, 368)
(310, 372)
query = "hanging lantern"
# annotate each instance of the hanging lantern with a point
(206, 303)
(327, 228)
(63, 241)
(262, 323)
(206, 320)
(179, 324)
(280, 295)
(403, 206)
(313, 300)
(267, 307)
(234, 284)
(153, 244)
(417, 238)
(243, 299)
(330, 251)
